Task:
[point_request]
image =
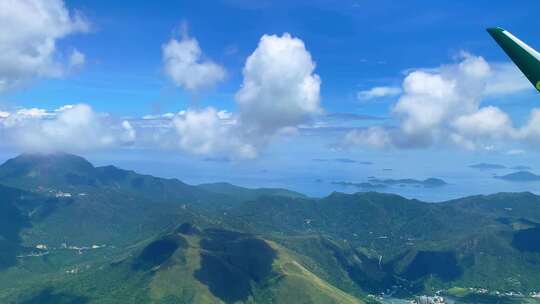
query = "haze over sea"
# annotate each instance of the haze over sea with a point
(315, 176)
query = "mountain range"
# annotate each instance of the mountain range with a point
(71, 232)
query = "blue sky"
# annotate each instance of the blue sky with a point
(350, 46)
(356, 44)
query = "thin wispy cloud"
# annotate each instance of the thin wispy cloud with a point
(378, 92)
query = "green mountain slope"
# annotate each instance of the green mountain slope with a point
(246, 194)
(417, 245)
(86, 204)
(194, 266)
(65, 173)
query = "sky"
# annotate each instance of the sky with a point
(272, 93)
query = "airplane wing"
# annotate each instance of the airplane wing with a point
(525, 57)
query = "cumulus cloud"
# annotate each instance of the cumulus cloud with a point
(184, 63)
(279, 92)
(70, 128)
(280, 89)
(443, 106)
(378, 92)
(29, 31)
(487, 122)
(209, 132)
(506, 79)
(530, 132)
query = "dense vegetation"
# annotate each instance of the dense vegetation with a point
(108, 235)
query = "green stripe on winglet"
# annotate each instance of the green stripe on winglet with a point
(525, 57)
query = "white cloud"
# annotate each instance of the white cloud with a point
(280, 88)
(506, 79)
(207, 132)
(378, 92)
(129, 134)
(29, 31)
(443, 106)
(22, 115)
(515, 152)
(530, 132)
(279, 92)
(184, 63)
(485, 123)
(376, 137)
(77, 59)
(432, 100)
(70, 128)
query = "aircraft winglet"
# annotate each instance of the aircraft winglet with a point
(525, 57)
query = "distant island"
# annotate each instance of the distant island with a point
(487, 166)
(342, 160)
(375, 183)
(429, 182)
(521, 176)
(364, 185)
(521, 168)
